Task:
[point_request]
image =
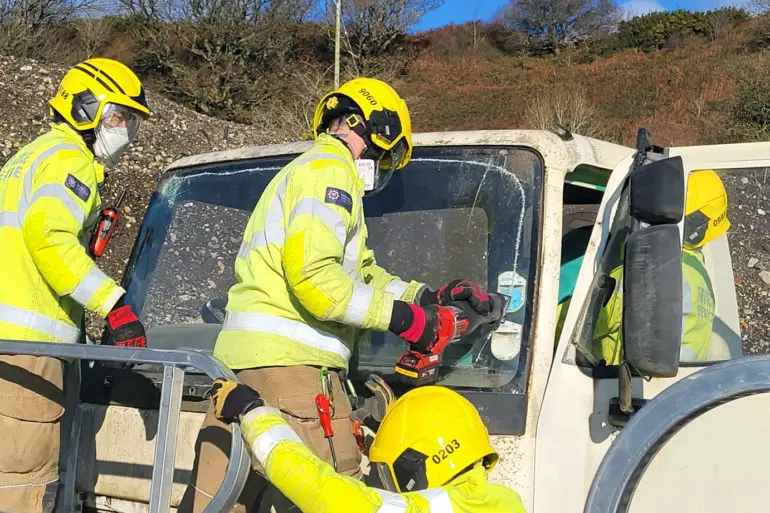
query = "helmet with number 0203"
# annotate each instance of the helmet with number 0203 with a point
(429, 436)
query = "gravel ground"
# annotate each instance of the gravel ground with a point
(749, 237)
(195, 264)
(171, 133)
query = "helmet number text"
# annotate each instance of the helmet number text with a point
(444, 453)
(366, 94)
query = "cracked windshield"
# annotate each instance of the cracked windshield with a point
(459, 212)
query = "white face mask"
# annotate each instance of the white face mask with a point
(367, 171)
(111, 144)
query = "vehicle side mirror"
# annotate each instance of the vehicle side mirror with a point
(652, 309)
(657, 190)
(652, 273)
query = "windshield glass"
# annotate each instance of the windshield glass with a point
(470, 212)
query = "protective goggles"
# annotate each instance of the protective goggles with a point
(119, 116)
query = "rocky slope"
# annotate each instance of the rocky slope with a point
(172, 132)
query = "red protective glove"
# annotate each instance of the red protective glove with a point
(430, 325)
(464, 290)
(124, 328)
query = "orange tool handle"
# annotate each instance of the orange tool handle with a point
(324, 414)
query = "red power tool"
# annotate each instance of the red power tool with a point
(108, 222)
(456, 320)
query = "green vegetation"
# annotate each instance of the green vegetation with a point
(690, 77)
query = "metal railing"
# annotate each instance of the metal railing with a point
(660, 419)
(174, 364)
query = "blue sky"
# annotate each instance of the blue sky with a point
(460, 11)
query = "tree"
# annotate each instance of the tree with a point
(553, 24)
(372, 26)
(38, 12)
(226, 11)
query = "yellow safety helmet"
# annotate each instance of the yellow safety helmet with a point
(387, 126)
(705, 209)
(93, 84)
(428, 437)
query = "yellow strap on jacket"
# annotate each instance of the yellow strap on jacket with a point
(305, 280)
(49, 203)
(314, 487)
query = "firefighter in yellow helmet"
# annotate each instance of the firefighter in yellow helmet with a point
(49, 202)
(431, 453)
(705, 220)
(306, 281)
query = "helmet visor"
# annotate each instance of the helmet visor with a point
(385, 477)
(394, 157)
(116, 116)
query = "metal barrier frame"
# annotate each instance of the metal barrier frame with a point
(660, 419)
(174, 364)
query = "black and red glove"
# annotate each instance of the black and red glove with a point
(124, 328)
(464, 290)
(422, 326)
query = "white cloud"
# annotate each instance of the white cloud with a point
(640, 7)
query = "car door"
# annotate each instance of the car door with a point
(574, 429)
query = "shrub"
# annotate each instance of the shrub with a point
(759, 37)
(652, 31)
(569, 108)
(751, 100)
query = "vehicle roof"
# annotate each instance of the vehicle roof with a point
(570, 153)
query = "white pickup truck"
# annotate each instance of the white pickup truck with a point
(542, 216)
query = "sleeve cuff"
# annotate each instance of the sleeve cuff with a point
(111, 300)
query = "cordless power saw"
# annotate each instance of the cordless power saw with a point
(456, 321)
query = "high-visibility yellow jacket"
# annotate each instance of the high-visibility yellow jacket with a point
(49, 203)
(698, 303)
(314, 487)
(697, 314)
(305, 280)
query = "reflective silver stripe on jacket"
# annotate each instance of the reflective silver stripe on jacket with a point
(267, 441)
(10, 219)
(324, 213)
(438, 499)
(29, 177)
(273, 232)
(39, 322)
(59, 191)
(355, 315)
(397, 288)
(352, 254)
(391, 502)
(293, 330)
(89, 285)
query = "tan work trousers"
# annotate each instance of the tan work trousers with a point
(292, 390)
(31, 408)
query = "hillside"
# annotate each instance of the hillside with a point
(692, 91)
